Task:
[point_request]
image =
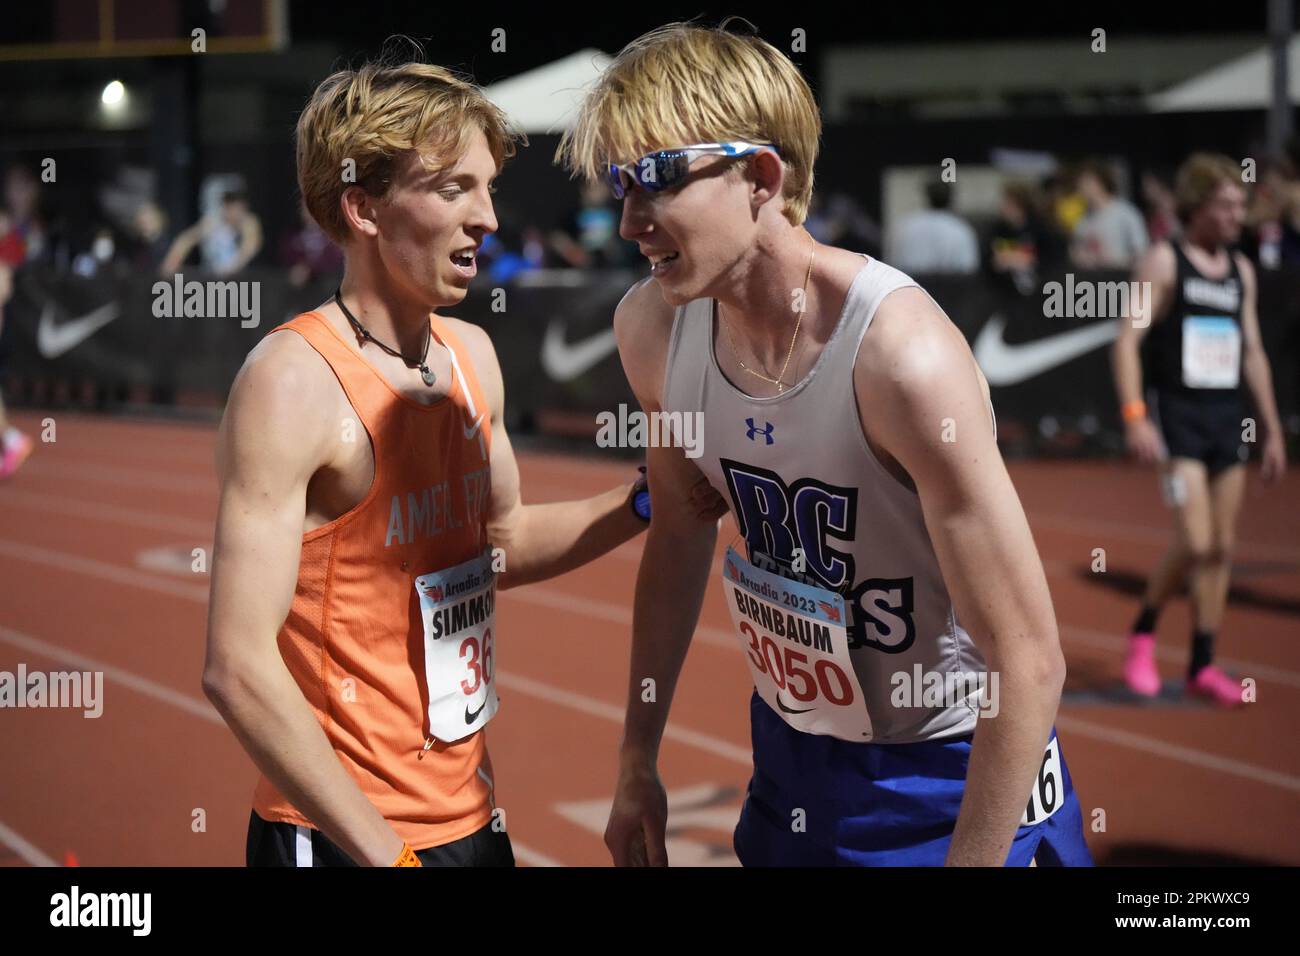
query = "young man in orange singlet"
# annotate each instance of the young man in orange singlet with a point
(369, 496)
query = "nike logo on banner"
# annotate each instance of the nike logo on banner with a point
(780, 703)
(1005, 364)
(470, 717)
(564, 362)
(52, 339)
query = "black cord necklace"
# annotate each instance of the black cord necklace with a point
(426, 373)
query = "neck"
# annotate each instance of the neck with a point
(390, 317)
(758, 302)
(1203, 241)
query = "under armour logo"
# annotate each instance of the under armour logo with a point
(765, 432)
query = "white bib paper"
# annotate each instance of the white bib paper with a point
(1211, 351)
(458, 607)
(797, 648)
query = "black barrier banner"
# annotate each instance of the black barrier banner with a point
(132, 338)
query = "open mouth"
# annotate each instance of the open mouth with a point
(465, 262)
(661, 264)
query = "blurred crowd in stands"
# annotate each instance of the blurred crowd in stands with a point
(1077, 216)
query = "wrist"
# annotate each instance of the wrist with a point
(1134, 411)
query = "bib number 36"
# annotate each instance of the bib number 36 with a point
(1049, 789)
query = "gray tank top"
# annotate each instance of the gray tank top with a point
(798, 473)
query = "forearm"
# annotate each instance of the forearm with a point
(1128, 371)
(550, 539)
(265, 709)
(670, 589)
(1259, 381)
(1007, 755)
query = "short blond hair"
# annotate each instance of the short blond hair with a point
(1198, 178)
(681, 84)
(374, 114)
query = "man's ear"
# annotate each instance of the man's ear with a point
(767, 174)
(359, 210)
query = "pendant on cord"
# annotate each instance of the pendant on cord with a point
(426, 373)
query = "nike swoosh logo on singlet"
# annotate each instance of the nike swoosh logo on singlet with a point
(472, 431)
(1005, 364)
(564, 361)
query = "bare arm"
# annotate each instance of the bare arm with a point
(1259, 377)
(250, 243)
(677, 558)
(544, 540)
(270, 444)
(1155, 271)
(916, 363)
(180, 249)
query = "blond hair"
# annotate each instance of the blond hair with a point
(374, 114)
(682, 84)
(1198, 177)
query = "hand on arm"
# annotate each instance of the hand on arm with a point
(270, 444)
(917, 365)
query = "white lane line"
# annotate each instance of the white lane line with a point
(730, 751)
(527, 855)
(34, 645)
(598, 708)
(64, 561)
(25, 849)
(1189, 755)
(144, 478)
(93, 511)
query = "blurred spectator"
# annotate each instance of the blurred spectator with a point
(1023, 243)
(936, 239)
(1112, 235)
(1161, 208)
(840, 221)
(98, 254)
(144, 244)
(590, 239)
(308, 252)
(1272, 234)
(227, 240)
(1065, 207)
(22, 203)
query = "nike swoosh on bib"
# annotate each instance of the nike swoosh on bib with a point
(789, 710)
(563, 361)
(53, 340)
(1005, 364)
(471, 717)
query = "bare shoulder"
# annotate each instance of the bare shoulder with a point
(912, 345)
(1158, 264)
(483, 355)
(274, 412)
(1247, 270)
(643, 322)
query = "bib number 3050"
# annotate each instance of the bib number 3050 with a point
(1049, 788)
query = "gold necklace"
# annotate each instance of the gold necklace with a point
(731, 343)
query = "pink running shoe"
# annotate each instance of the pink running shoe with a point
(1140, 672)
(14, 455)
(1216, 686)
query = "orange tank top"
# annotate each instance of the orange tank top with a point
(354, 637)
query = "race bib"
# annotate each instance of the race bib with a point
(1211, 351)
(458, 607)
(795, 642)
(1049, 789)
